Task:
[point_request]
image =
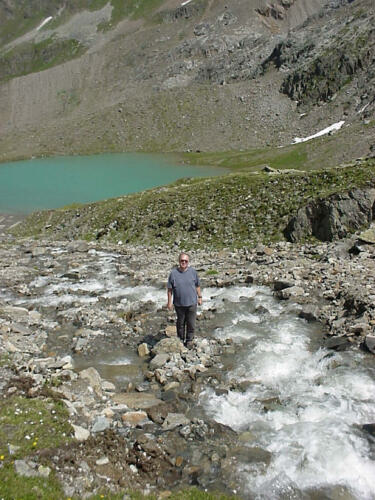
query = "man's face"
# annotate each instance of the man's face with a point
(184, 262)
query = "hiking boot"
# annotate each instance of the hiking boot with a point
(189, 344)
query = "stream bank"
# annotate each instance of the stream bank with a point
(139, 421)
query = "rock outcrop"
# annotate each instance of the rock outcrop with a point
(333, 217)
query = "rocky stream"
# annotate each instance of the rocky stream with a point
(274, 400)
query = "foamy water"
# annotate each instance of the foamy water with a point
(321, 399)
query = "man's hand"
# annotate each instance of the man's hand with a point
(199, 301)
(170, 306)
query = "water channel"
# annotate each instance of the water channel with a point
(46, 183)
(299, 403)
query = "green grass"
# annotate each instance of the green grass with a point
(14, 487)
(186, 494)
(34, 57)
(24, 18)
(290, 157)
(30, 425)
(5, 359)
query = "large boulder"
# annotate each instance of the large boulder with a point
(169, 346)
(333, 217)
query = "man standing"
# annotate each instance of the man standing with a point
(184, 285)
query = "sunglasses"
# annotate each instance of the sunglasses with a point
(184, 260)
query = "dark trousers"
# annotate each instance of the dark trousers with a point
(186, 322)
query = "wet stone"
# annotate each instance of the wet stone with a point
(337, 343)
(159, 361)
(134, 418)
(100, 424)
(143, 350)
(137, 400)
(173, 420)
(370, 343)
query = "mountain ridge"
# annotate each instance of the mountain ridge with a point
(200, 77)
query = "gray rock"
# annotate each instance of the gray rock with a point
(140, 400)
(25, 468)
(44, 471)
(80, 433)
(108, 386)
(337, 343)
(93, 378)
(81, 344)
(333, 217)
(135, 418)
(169, 345)
(16, 313)
(22, 329)
(161, 376)
(368, 236)
(143, 350)
(174, 420)
(370, 343)
(249, 455)
(282, 284)
(159, 361)
(100, 424)
(309, 312)
(287, 293)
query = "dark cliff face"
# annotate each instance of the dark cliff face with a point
(319, 67)
(333, 217)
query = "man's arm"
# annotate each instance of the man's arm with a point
(169, 303)
(199, 293)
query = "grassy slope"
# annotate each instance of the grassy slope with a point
(319, 153)
(30, 425)
(31, 57)
(236, 210)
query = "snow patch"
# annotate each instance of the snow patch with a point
(331, 128)
(47, 20)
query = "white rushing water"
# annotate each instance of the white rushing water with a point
(320, 398)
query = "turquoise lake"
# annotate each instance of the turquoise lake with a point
(45, 183)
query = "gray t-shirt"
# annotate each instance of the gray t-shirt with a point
(183, 284)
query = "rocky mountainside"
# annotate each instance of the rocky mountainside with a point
(85, 77)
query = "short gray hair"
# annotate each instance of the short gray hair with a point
(183, 253)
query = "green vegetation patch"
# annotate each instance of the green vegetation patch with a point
(235, 210)
(18, 18)
(186, 494)
(291, 157)
(33, 57)
(27, 427)
(31, 424)
(13, 486)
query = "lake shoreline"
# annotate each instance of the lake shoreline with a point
(52, 183)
